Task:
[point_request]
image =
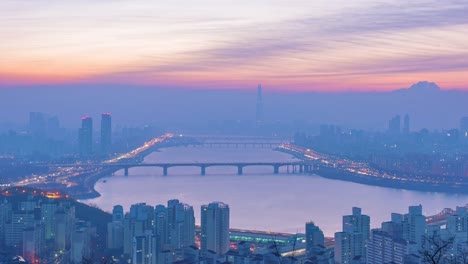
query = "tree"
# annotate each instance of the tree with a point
(437, 250)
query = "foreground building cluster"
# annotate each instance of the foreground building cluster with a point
(45, 230)
(167, 234)
(405, 239)
(164, 234)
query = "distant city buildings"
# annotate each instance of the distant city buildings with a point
(395, 128)
(406, 125)
(85, 138)
(37, 124)
(394, 125)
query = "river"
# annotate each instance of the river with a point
(259, 199)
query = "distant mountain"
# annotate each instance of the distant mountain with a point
(422, 87)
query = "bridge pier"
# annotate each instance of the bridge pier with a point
(301, 168)
(165, 170)
(203, 170)
(240, 170)
(126, 171)
(276, 169)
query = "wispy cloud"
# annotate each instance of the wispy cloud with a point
(348, 44)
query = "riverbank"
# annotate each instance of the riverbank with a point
(335, 174)
(394, 183)
(86, 188)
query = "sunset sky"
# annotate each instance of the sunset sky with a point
(319, 45)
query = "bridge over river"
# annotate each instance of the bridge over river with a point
(296, 166)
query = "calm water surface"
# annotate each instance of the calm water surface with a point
(259, 199)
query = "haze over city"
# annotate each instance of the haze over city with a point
(234, 132)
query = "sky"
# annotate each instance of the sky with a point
(320, 45)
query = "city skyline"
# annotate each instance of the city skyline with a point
(331, 46)
(234, 132)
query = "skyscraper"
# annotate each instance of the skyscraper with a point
(406, 125)
(86, 136)
(259, 113)
(37, 124)
(106, 132)
(215, 227)
(394, 125)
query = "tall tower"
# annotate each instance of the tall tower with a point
(215, 227)
(106, 132)
(86, 136)
(259, 113)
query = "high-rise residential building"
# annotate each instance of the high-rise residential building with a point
(115, 235)
(402, 238)
(117, 213)
(406, 125)
(64, 219)
(356, 229)
(161, 229)
(115, 229)
(137, 223)
(314, 239)
(14, 228)
(5, 215)
(414, 225)
(37, 124)
(384, 248)
(144, 249)
(48, 217)
(343, 248)
(181, 224)
(215, 227)
(259, 113)
(33, 242)
(80, 245)
(86, 136)
(106, 133)
(394, 125)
